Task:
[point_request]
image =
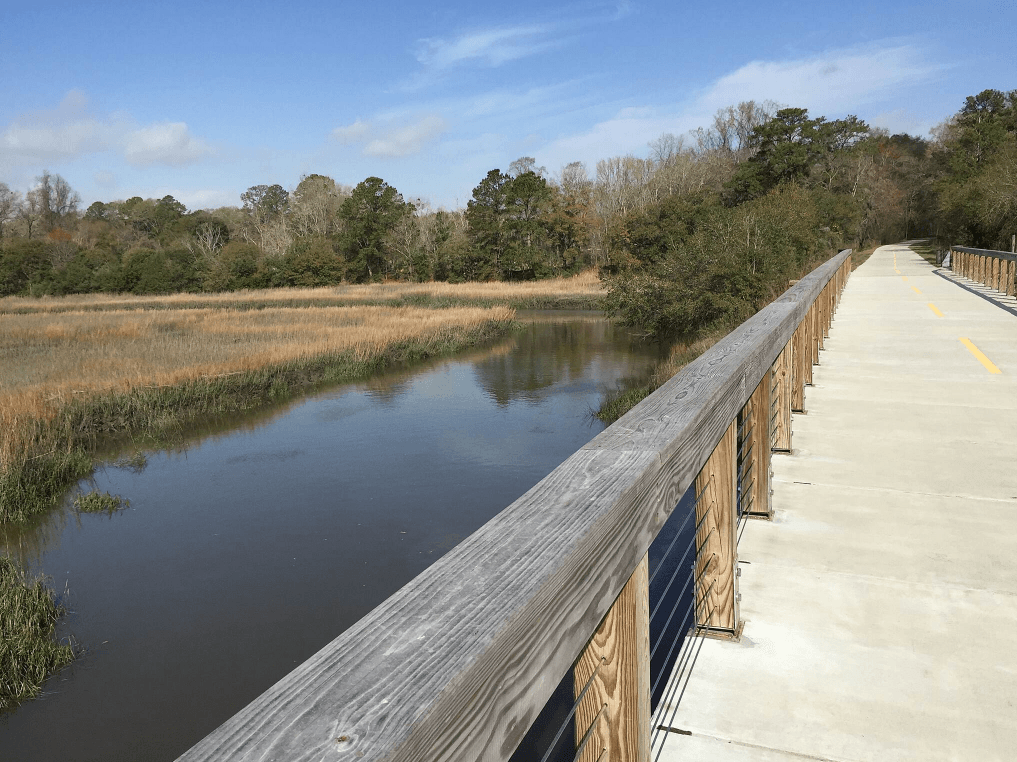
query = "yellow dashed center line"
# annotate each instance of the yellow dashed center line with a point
(935, 310)
(979, 356)
(916, 290)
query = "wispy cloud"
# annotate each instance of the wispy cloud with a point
(392, 140)
(166, 143)
(834, 83)
(492, 47)
(71, 131)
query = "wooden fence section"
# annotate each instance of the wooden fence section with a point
(994, 269)
(458, 663)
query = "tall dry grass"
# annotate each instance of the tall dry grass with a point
(67, 378)
(584, 289)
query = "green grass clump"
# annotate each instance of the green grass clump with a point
(100, 502)
(29, 651)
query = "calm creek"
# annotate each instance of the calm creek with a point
(254, 544)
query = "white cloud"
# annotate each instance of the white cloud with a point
(832, 84)
(391, 140)
(166, 143)
(836, 81)
(491, 46)
(353, 133)
(71, 131)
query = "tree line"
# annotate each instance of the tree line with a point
(710, 222)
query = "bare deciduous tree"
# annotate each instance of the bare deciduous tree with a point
(9, 202)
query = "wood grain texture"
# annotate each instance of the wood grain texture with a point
(621, 646)
(1011, 283)
(757, 441)
(799, 360)
(458, 663)
(717, 539)
(810, 343)
(780, 412)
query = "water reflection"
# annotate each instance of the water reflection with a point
(260, 538)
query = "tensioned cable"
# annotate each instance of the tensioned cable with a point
(679, 532)
(678, 674)
(678, 566)
(697, 628)
(669, 689)
(694, 605)
(572, 711)
(674, 711)
(588, 735)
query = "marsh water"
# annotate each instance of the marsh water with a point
(258, 540)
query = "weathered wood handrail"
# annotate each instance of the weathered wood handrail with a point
(994, 269)
(458, 663)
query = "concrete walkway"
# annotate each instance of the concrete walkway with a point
(880, 605)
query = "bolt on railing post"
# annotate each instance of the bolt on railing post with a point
(618, 700)
(717, 539)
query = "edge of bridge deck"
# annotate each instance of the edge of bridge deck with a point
(880, 604)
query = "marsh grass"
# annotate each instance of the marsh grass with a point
(100, 502)
(29, 651)
(74, 380)
(582, 291)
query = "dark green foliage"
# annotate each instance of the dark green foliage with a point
(163, 271)
(977, 172)
(313, 262)
(787, 148)
(29, 651)
(370, 213)
(265, 202)
(509, 229)
(720, 271)
(25, 269)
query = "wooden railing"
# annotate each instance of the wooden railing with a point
(994, 269)
(458, 663)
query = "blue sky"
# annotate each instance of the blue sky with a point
(203, 100)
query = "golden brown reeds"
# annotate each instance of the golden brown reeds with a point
(67, 377)
(582, 289)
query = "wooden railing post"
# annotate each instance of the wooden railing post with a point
(1011, 281)
(716, 601)
(798, 361)
(754, 453)
(780, 400)
(613, 718)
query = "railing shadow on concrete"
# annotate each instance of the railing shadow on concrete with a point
(993, 269)
(458, 663)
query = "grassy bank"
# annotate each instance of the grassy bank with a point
(680, 355)
(28, 648)
(583, 291)
(77, 380)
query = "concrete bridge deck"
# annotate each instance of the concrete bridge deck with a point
(880, 605)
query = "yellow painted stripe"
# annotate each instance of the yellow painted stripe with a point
(979, 356)
(904, 278)
(916, 290)
(935, 310)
